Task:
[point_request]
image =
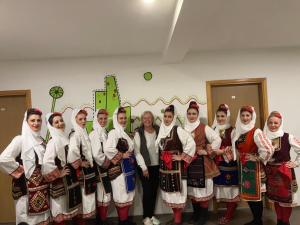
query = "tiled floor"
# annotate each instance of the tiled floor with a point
(241, 216)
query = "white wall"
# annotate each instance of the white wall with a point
(79, 77)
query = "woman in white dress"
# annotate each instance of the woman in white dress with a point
(22, 159)
(203, 169)
(177, 149)
(253, 149)
(55, 169)
(98, 140)
(281, 180)
(81, 159)
(119, 150)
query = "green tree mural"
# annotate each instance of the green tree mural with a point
(109, 99)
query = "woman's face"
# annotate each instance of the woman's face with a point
(102, 119)
(221, 117)
(192, 115)
(58, 122)
(168, 118)
(147, 120)
(122, 119)
(81, 120)
(35, 122)
(246, 117)
(274, 123)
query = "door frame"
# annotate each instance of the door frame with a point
(263, 96)
(26, 93)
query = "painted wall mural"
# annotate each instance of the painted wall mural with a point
(109, 98)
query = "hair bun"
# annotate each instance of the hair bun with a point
(275, 114)
(193, 105)
(170, 108)
(121, 110)
(247, 108)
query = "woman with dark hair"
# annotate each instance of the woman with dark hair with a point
(81, 158)
(253, 149)
(22, 159)
(98, 140)
(56, 171)
(146, 154)
(119, 150)
(227, 183)
(281, 180)
(177, 149)
(202, 169)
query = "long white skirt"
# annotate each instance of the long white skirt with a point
(88, 204)
(176, 199)
(22, 215)
(103, 199)
(227, 193)
(59, 209)
(202, 194)
(120, 195)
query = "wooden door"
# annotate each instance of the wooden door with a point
(13, 104)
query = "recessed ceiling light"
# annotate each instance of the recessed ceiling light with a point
(148, 1)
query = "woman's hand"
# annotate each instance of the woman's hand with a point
(291, 164)
(126, 155)
(250, 157)
(85, 164)
(65, 171)
(146, 173)
(220, 151)
(176, 157)
(201, 152)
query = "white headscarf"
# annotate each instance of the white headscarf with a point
(165, 130)
(272, 135)
(82, 133)
(217, 127)
(120, 130)
(190, 127)
(60, 139)
(241, 128)
(100, 131)
(31, 143)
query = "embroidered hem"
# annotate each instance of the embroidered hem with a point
(103, 203)
(201, 199)
(123, 204)
(235, 199)
(175, 205)
(63, 217)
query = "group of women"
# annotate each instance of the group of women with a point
(78, 175)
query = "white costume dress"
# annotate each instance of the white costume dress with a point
(78, 139)
(176, 199)
(120, 195)
(28, 146)
(56, 150)
(98, 140)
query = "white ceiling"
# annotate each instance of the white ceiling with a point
(35, 29)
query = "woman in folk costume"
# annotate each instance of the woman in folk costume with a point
(81, 159)
(98, 140)
(146, 153)
(281, 180)
(119, 150)
(55, 170)
(253, 149)
(177, 149)
(226, 184)
(22, 159)
(202, 169)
